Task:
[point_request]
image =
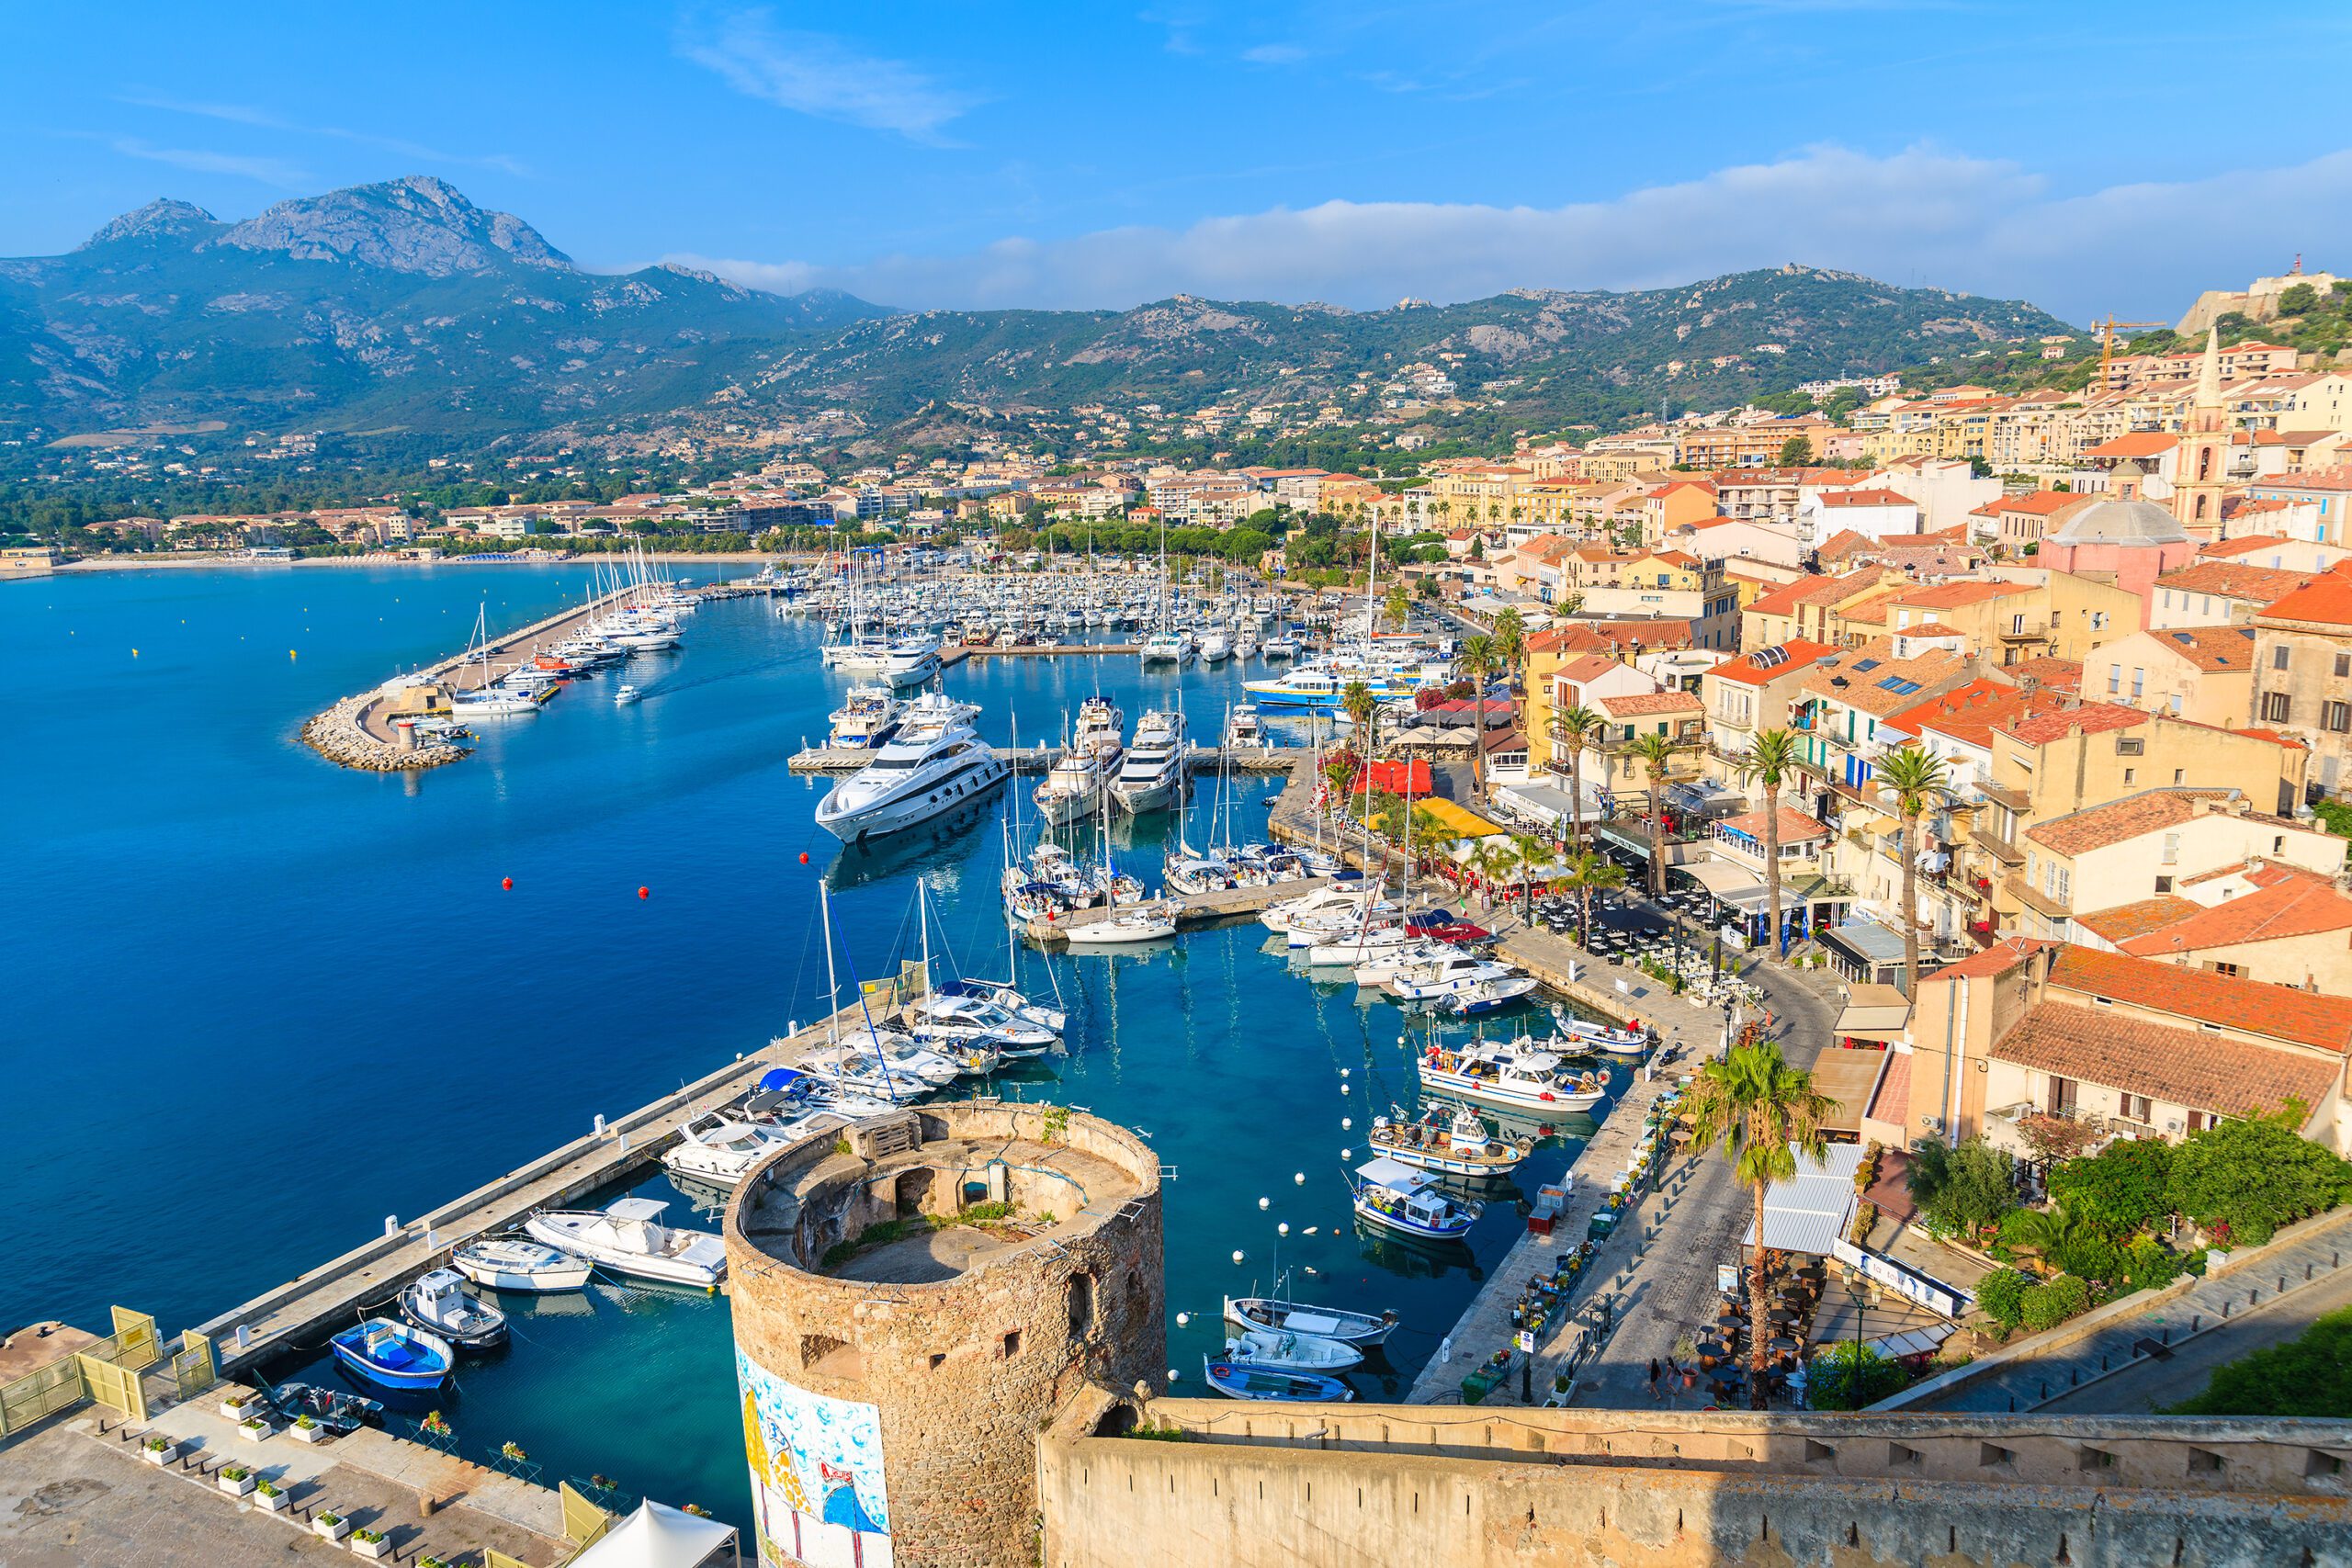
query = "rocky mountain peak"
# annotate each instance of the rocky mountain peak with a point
(163, 215)
(417, 224)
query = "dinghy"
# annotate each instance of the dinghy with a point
(1355, 1328)
(1486, 996)
(1590, 1036)
(394, 1355)
(1238, 1379)
(437, 1302)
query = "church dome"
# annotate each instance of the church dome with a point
(2118, 522)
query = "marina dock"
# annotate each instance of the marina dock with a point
(335, 1294)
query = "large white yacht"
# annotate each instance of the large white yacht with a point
(1073, 789)
(934, 763)
(1152, 776)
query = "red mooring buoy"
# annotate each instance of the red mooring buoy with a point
(645, 893)
(804, 857)
(507, 882)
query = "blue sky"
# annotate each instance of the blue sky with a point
(2062, 150)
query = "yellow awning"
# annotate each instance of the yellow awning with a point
(1467, 823)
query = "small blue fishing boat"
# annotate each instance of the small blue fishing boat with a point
(393, 1355)
(1396, 1197)
(1486, 996)
(1241, 1380)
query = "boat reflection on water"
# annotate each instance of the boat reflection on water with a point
(1413, 1259)
(919, 847)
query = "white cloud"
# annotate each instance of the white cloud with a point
(816, 75)
(268, 171)
(1274, 54)
(1921, 215)
(263, 119)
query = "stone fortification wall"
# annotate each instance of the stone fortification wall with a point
(960, 1373)
(1373, 1486)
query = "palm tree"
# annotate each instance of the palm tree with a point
(1358, 702)
(1590, 874)
(1399, 604)
(1494, 860)
(1772, 757)
(1529, 852)
(1915, 779)
(1435, 837)
(1763, 1112)
(1511, 643)
(1654, 752)
(1478, 662)
(1575, 726)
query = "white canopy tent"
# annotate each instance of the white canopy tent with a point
(1808, 1215)
(658, 1536)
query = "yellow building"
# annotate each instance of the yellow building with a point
(2054, 614)
(2204, 674)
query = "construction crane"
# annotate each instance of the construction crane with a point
(2106, 330)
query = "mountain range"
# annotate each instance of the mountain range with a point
(403, 306)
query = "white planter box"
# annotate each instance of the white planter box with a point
(273, 1501)
(253, 1432)
(331, 1530)
(236, 1488)
(308, 1434)
(235, 1412)
(159, 1456)
(371, 1547)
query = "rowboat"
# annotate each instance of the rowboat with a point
(1356, 1328)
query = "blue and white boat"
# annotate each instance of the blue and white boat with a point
(1486, 996)
(1395, 1196)
(1585, 1034)
(393, 1355)
(1241, 1380)
(1319, 687)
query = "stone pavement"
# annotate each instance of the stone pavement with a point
(2032, 1376)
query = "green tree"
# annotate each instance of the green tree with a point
(1433, 835)
(1531, 854)
(2045, 1306)
(1962, 1188)
(1915, 780)
(2124, 1188)
(1762, 1114)
(1655, 753)
(1590, 874)
(2244, 1180)
(1796, 452)
(1771, 758)
(1852, 1376)
(2308, 1375)
(2000, 1295)
(1399, 604)
(1572, 727)
(2055, 1239)
(2298, 300)
(1511, 644)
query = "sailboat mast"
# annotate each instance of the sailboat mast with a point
(832, 981)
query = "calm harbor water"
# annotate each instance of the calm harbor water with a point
(258, 1003)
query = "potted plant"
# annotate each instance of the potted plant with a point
(370, 1543)
(329, 1525)
(431, 1562)
(235, 1479)
(271, 1496)
(237, 1406)
(158, 1448)
(252, 1429)
(307, 1430)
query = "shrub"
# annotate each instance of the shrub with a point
(2001, 1295)
(235, 1472)
(2122, 1189)
(2254, 1176)
(2311, 1375)
(2145, 1266)
(1850, 1376)
(2046, 1306)
(1961, 1190)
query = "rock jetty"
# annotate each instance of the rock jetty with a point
(339, 736)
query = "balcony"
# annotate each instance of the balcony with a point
(1999, 849)
(2025, 629)
(2034, 898)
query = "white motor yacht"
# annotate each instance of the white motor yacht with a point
(628, 1238)
(1443, 976)
(721, 1149)
(973, 1021)
(934, 763)
(1154, 773)
(517, 1263)
(1072, 790)
(1512, 1077)
(868, 716)
(910, 660)
(1216, 646)
(1005, 997)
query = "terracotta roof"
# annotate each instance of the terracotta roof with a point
(2125, 921)
(1892, 1100)
(1795, 827)
(1796, 653)
(2049, 670)
(1969, 713)
(2250, 1006)
(2098, 826)
(1784, 599)
(1642, 704)
(1865, 498)
(1611, 636)
(2299, 907)
(2211, 647)
(2037, 503)
(2091, 719)
(1887, 685)
(2179, 1067)
(1998, 959)
(1843, 543)
(1953, 595)
(2245, 545)
(2235, 579)
(2327, 601)
(1585, 666)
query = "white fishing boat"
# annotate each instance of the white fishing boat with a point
(628, 1238)
(518, 1263)
(1511, 1076)
(1399, 1198)
(1454, 1143)
(1587, 1035)
(1287, 1350)
(436, 1302)
(1361, 1329)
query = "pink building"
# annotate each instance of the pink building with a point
(2128, 542)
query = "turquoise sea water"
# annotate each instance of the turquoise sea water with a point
(257, 1003)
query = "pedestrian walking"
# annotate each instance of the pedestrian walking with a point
(1653, 1377)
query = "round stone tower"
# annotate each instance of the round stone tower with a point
(914, 1301)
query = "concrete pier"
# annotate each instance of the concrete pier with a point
(1260, 760)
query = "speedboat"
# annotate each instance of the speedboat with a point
(973, 1021)
(1488, 996)
(1458, 1144)
(1005, 997)
(625, 694)
(1396, 1197)
(1357, 1329)
(1137, 923)
(518, 1263)
(935, 762)
(394, 1355)
(628, 1238)
(1287, 1350)
(1240, 1379)
(787, 1095)
(436, 1302)
(1514, 1077)
(1153, 773)
(1457, 971)
(721, 1149)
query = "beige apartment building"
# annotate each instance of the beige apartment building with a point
(2303, 671)
(2204, 674)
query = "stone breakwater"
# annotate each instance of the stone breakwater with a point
(340, 736)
